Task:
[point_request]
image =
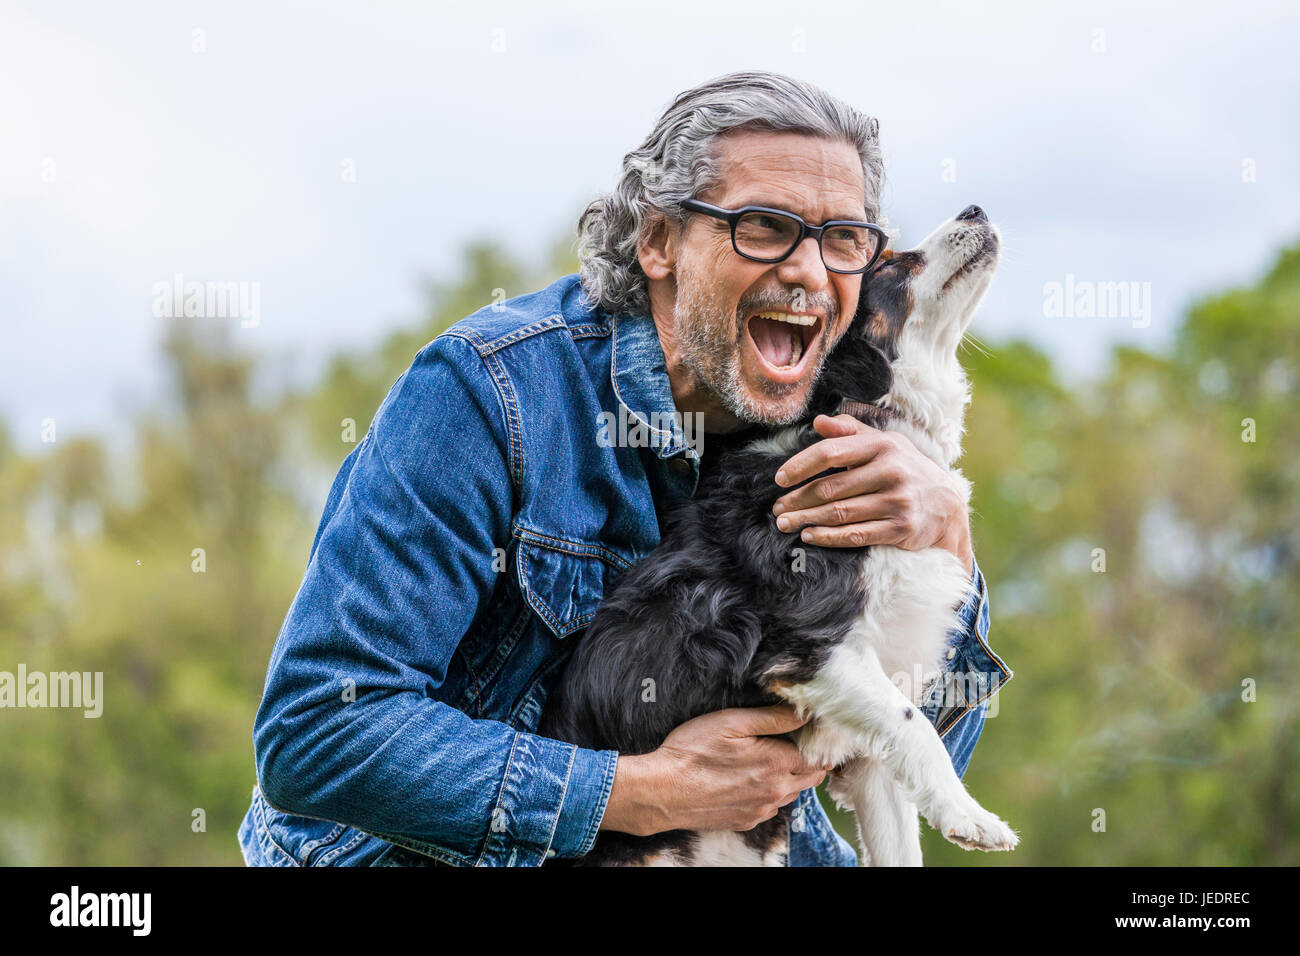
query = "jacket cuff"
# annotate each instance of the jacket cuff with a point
(972, 671)
(551, 802)
(590, 783)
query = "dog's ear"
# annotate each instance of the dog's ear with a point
(864, 374)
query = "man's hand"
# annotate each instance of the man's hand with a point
(889, 494)
(720, 771)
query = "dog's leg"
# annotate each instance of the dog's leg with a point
(851, 694)
(889, 833)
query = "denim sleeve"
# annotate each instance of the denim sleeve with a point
(961, 737)
(813, 841)
(347, 729)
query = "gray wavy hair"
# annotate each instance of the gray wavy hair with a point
(677, 162)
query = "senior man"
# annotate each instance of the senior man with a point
(468, 538)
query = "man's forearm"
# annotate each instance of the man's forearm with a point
(424, 774)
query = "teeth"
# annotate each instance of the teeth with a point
(788, 317)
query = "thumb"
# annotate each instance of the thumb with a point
(765, 721)
(836, 427)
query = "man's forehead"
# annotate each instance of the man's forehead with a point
(817, 178)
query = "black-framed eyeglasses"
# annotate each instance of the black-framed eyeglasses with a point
(771, 235)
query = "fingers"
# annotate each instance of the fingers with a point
(764, 721)
(786, 795)
(773, 770)
(841, 451)
(784, 757)
(854, 535)
(806, 781)
(856, 510)
(879, 474)
(880, 477)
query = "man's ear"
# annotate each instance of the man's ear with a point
(657, 248)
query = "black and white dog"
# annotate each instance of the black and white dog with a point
(729, 612)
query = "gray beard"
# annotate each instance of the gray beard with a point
(709, 341)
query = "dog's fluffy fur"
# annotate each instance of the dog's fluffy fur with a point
(729, 611)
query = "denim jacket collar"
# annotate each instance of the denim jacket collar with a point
(639, 373)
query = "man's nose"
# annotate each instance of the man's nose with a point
(804, 266)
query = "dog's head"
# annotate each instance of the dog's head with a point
(915, 307)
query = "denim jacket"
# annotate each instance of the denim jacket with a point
(465, 544)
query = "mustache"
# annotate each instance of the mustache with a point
(778, 302)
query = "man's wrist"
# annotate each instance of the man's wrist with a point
(965, 551)
(957, 540)
(633, 806)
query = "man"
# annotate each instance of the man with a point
(469, 537)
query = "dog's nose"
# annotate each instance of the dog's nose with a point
(973, 213)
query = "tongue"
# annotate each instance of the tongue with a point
(773, 340)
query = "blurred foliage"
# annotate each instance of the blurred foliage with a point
(1128, 695)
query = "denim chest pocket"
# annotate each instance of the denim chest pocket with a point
(564, 581)
(562, 584)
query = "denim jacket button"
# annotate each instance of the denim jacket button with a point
(681, 466)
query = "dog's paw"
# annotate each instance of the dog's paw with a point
(972, 827)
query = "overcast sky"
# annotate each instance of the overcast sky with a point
(336, 154)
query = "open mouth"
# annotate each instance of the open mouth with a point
(988, 248)
(783, 341)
